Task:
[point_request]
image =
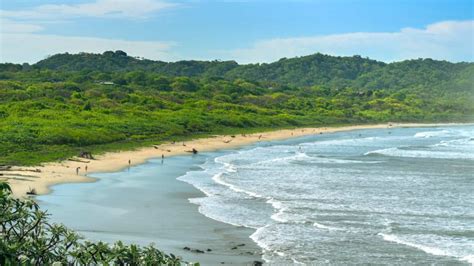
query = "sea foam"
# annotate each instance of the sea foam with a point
(329, 191)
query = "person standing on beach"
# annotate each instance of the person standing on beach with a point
(86, 168)
(77, 170)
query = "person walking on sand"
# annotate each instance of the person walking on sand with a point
(86, 168)
(77, 170)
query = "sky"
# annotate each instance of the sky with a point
(247, 31)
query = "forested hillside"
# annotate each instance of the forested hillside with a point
(71, 103)
(316, 69)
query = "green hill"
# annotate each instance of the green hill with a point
(316, 69)
(96, 102)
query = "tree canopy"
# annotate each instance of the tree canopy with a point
(69, 103)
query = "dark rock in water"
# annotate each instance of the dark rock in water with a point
(257, 263)
(234, 248)
(241, 245)
(222, 262)
(194, 250)
(209, 250)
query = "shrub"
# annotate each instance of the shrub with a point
(27, 237)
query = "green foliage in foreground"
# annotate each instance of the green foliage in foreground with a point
(72, 103)
(27, 238)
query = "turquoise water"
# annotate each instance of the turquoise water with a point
(384, 196)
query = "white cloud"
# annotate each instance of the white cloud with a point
(31, 47)
(10, 26)
(99, 8)
(21, 39)
(448, 40)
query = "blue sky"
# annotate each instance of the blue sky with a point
(243, 30)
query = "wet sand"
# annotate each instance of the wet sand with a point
(147, 204)
(42, 177)
(144, 203)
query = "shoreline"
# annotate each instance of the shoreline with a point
(156, 209)
(42, 178)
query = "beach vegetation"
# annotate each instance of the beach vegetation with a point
(27, 237)
(69, 103)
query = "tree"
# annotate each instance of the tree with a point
(28, 238)
(87, 106)
(183, 84)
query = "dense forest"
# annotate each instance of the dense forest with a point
(69, 103)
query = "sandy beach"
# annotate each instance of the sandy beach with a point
(147, 204)
(143, 202)
(41, 178)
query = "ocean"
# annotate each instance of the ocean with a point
(375, 196)
(403, 195)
